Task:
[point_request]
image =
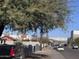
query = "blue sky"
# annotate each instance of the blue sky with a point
(73, 25)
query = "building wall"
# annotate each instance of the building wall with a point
(74, 34)
(30, 43)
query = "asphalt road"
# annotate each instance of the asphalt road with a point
(70, 53)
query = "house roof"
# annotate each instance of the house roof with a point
(8, 38)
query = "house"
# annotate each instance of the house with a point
(23, 37)
(8, 40)
(27, 39)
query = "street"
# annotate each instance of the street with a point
(70, 53)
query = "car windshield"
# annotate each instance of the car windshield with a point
(60, 47)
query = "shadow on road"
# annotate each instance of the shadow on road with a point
(36, 56)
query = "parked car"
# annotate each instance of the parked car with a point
(60, 48)
(75, 46)
(7, 51)
(55, 46)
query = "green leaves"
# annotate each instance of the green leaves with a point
(34, 14)
(76, 41)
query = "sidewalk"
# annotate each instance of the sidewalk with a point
(50, 54)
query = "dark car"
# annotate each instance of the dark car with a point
(7, 51)
(55, 46)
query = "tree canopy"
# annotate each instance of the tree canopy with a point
(77, 41)
(26, 15)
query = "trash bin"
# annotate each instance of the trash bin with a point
(29, 50)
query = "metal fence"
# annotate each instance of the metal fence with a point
(28, 50)
(25, 51)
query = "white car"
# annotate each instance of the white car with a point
(75, 47)
(60, 48)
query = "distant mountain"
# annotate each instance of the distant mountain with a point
(59, 38)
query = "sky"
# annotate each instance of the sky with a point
(73, 25)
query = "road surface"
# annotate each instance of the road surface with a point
(70, 53)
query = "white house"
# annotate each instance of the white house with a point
(8, 40)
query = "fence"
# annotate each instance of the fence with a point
(28, 50)
(22, 51)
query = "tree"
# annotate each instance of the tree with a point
(77, 41)
(23, 15)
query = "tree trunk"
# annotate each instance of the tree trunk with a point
(1, 28)
(46, 34)
(41, 36)
(40, 41)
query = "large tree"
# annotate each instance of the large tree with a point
(76, 41)
(26, 15)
